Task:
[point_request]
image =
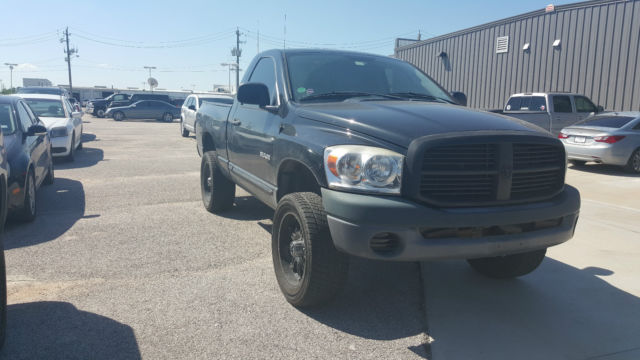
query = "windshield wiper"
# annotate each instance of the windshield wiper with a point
(414, 95)
(346, 94)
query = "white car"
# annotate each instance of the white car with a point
(190, 107)
(63, 123)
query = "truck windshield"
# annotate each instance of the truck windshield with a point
(313, 75)
(526, 103)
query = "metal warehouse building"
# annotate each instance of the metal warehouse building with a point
(589, 47)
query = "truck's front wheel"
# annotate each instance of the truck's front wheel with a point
(509, 266)
(309, 269)
(218, 192)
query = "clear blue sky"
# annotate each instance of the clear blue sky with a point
(188, 40)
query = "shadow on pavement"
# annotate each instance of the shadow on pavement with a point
(557, 312)
(59, 207)
(603, 169)
(248, 208)
(85, 157)
(58, 330)
(380, 301)
(88, 137)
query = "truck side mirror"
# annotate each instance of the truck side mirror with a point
(254, 94)
(599, 109)
(460, 98)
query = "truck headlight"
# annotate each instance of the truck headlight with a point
(58, 132)
(363, 169)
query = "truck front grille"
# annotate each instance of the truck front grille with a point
(490, 173)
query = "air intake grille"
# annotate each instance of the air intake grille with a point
(490, 173)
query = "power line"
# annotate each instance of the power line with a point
(161, 46)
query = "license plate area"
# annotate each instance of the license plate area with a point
(580, 139)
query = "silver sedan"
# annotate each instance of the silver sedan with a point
(608, 138)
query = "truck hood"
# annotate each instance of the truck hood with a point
(51, 122)
(400, 122)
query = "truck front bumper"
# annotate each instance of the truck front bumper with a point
(394, 228)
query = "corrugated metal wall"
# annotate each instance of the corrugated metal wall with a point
(598, 56)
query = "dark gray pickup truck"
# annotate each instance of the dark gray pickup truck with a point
(366, 155)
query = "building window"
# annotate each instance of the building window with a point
(502, 44)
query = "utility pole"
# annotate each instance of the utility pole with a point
(70, 52)
(237, 52)
(10, 65)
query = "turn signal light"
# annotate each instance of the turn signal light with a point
(563, 136)
(608, 139)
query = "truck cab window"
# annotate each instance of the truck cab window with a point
(584, 105)
(562, 104)
(264, 72)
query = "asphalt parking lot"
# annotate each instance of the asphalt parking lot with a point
(124, 262)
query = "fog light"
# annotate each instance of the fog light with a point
(384, 243)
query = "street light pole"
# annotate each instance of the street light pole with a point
(10, 65)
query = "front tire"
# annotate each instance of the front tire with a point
(72, 150)
(509, 266)
(633, 165)
(218, 192)
(309, 269)
(29, 205)
(49, 180)
(100, 113)
(184, 132)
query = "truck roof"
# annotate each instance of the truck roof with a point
(545, 93)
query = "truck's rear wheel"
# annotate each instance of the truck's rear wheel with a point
(509, 266)
(218, 192)
(309, 269)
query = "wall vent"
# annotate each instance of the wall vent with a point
(502, 44)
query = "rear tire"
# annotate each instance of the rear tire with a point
(218, 192)
(577, 162)
(509, 266)
(309, 269)
(118, 116)
(184, 132)
(167, 117)
(633, 165)
(29, 205)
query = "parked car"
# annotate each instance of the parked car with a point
(138, 97)
(98, 107)
(145, 109)
(28, 151)
(191, 106)
(611, 138)
(550, 111)
(366, 155)
(62, 121)
(51, 90)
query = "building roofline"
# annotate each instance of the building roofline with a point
(509, 20)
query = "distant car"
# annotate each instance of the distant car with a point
(138, 97)
(28, 151)
(63, 123)
(610, 138)
(145, 109)
(550, 111)
(50, 90)
(97, 107)
(191, 106)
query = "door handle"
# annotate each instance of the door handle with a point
(235, 122)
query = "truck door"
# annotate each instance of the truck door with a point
(251, 135)
(584, 107)
(562, 114)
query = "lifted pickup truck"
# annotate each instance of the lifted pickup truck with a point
(550, 111)
(366, 155)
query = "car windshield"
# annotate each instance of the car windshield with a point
(46, 107)
(326, 77)
(606, 121)
(7, 121)
(39, 91)
(215, 100)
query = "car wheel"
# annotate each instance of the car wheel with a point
(100, 113)
(49, 180)
(633, 165)
(72, 149)
(184, 132)
(218, 192)
(29, 206)
(80, 144)
(167, 117)
(118, 116)
(509, 266)
(309, 269)
(577, 162)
